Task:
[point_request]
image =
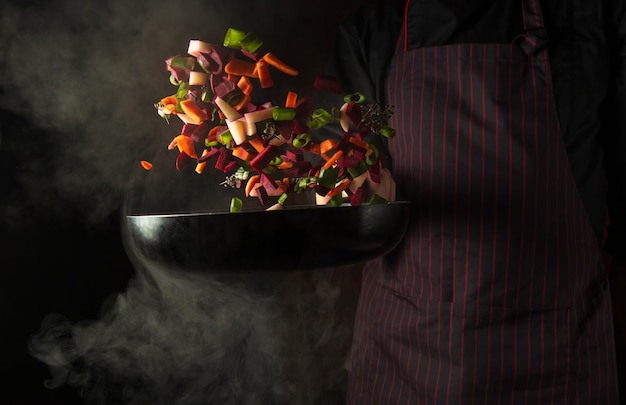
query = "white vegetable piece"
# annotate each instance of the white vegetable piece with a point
(229, 111)
(196, 47)
(344, 120)
(186, 119)
(198, 78)
(238, 129)
(275, 207)
(259, 115)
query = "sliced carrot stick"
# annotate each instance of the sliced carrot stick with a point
(339, 188)
(285, 164)
(315, 148)
(263, 73)
(146, 165)
(328, 144)
(290, 101)
(200, 166)
(233, 78)
(212, 136)
(257, 144)
(333, 159)
(185, 144)
(279, 64)
(252, 180)
(242, 154)
(240, 68)
(192, 110)
(245, 85)
(358, 143)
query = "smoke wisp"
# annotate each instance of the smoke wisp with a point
(174, 339)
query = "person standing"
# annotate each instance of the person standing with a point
(510, 143)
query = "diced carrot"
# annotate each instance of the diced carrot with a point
(240, 68)
(245, 85)
(241, 153)
(328, 144)
(285, 164)
(359, 143)
(232, 77)
(279, 64)
(185, 144)
(252, 180)
(192, 110)
(263, 73)
(333, 159)
(314, 148)
(290, 101)
(146, 165)
(200, 166)
(256, 143)
(172, 144)
(339, 188)
(168, 105)
(212, 136)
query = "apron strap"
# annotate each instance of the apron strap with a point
(534, 37)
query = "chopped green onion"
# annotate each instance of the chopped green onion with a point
(301, 140)
(276, 161)
(242, 174)
(233, 38)
(358, 170)
(250, 42)
(304, 183)
(371, 157)
(174, 80)
(328, 177)
(336, 200)
(207, 95)
(208, 143)
(283, 114)
(225, 137)
(319, 118)
(376, 199)
(387, 132)
(282, 198)
(355, 98)
(182, 62)
(236, 204)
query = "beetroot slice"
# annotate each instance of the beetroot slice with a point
(182, 160)
(374, 171)
(358, 197)
(262, 196)
(223, 159)
(298, 169)
(260, 161)
(327, 83)
(212, 152)
(268, 184)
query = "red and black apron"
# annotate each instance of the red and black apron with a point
(497, 293)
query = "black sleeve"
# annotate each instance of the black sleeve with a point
(363, 47)
(615, 156)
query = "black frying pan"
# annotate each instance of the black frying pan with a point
(295, 238)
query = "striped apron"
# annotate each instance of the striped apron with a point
(497, 293)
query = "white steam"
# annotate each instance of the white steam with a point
(171, 339)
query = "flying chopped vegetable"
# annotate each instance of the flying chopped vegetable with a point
(268, 149)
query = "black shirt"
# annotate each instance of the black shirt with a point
(588, 62)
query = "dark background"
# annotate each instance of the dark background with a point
(78, 80)
(78, 83)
